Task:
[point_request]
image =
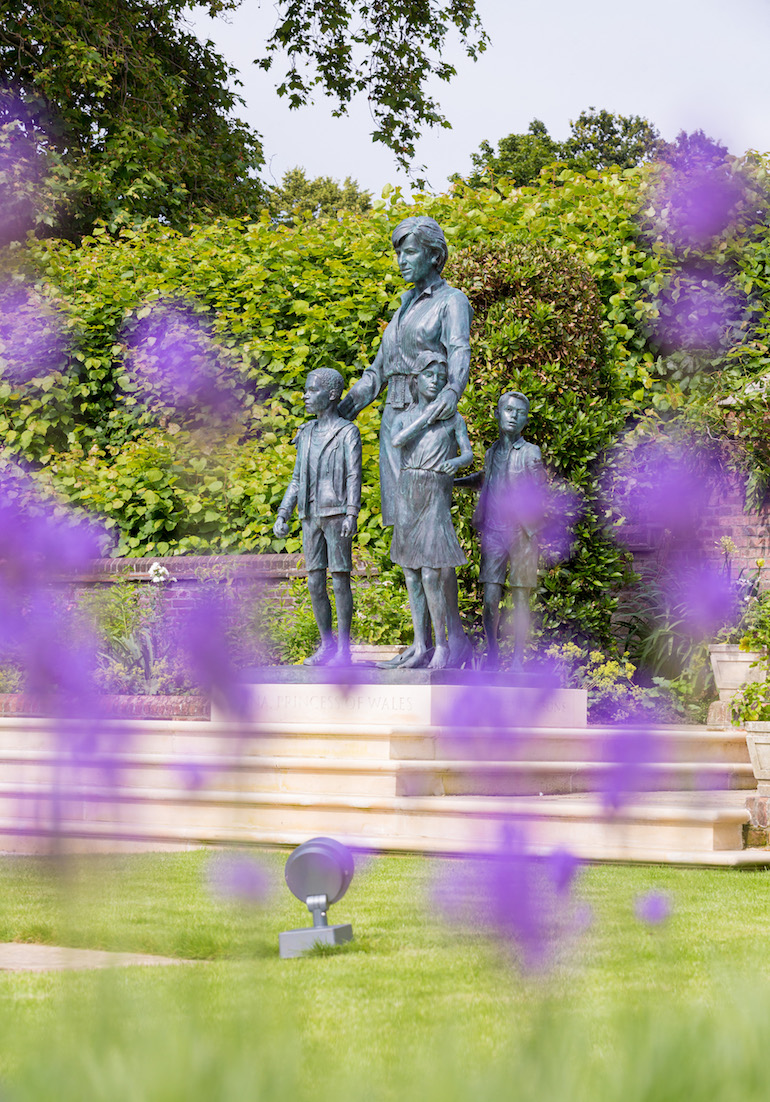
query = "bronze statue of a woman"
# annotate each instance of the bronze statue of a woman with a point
(433, 317)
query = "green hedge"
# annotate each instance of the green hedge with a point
(567, 279)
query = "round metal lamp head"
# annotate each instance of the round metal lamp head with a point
(320, 867)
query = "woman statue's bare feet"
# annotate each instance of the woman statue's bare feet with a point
(460, 652)
(398, 661)
(419, 658)
(440, 659)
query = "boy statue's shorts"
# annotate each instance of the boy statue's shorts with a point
(324, 546)
(514, 548)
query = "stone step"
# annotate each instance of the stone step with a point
(371, 743)
(351, 776)
(192, 782)
(95, 838)
(652, 828)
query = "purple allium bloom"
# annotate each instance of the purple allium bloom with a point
(665, 486)
(346, 678)
(628, 754)
(20, 163)
(43, 631)
(206, 649)
(480, 712)
(518, 896)
(176, 362)
(547, 512)
(704, 598)
(698, 310)
(564, 869)
(700, 193)
(33, 342)
(653, 907)
(194, 774)
(667, 490)
(698, 204)
(564, 508)
(238, 878)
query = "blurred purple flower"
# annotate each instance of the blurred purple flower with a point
(518, 896)
(699, 194)
(705, 599)
(666, 490)
(663, 486)
(43, 631)
(347, 678)
(699, 205)
(19, 169)
(653, 907)
(33, 342)
(176, 362)
(564, 869)
(628, 754)
(488, 710)
(238, 879)
(205, 646)
(563, 509)
(195, 774)
(545, 512)
(698, 310)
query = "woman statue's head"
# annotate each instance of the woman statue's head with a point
(427, 232)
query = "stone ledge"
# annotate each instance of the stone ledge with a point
(119, 707)
(361, 673)
(195, 568)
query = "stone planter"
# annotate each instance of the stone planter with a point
(733, 668)
(758, 741)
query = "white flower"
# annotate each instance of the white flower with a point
(159, 574)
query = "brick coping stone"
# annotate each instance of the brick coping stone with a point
(18, 956)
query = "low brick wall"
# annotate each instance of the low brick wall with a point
(261, 572)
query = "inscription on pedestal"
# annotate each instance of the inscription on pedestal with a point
(362, 704)
(418, 706)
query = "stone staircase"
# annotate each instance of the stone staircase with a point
(154, 784)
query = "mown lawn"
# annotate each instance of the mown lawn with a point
(415, 1009)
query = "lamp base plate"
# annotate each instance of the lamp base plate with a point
(293, 943)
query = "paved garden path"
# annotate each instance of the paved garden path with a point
(20, 957)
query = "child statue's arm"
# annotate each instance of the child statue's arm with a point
(286, 508)
(353, 468)
(411, 429)
(465, 456)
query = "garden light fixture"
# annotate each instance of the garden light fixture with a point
(318, 872)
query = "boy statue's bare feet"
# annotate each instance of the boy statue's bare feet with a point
(341, 656)
(323, 656)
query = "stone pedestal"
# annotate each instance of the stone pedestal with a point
(413, 699)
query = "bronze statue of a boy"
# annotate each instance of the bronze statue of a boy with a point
(326, 489)
(509, 517)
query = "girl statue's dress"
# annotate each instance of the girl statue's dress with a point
(423, 533)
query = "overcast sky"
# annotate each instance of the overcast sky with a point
(684, 64)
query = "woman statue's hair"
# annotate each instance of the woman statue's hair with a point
(429, 234)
